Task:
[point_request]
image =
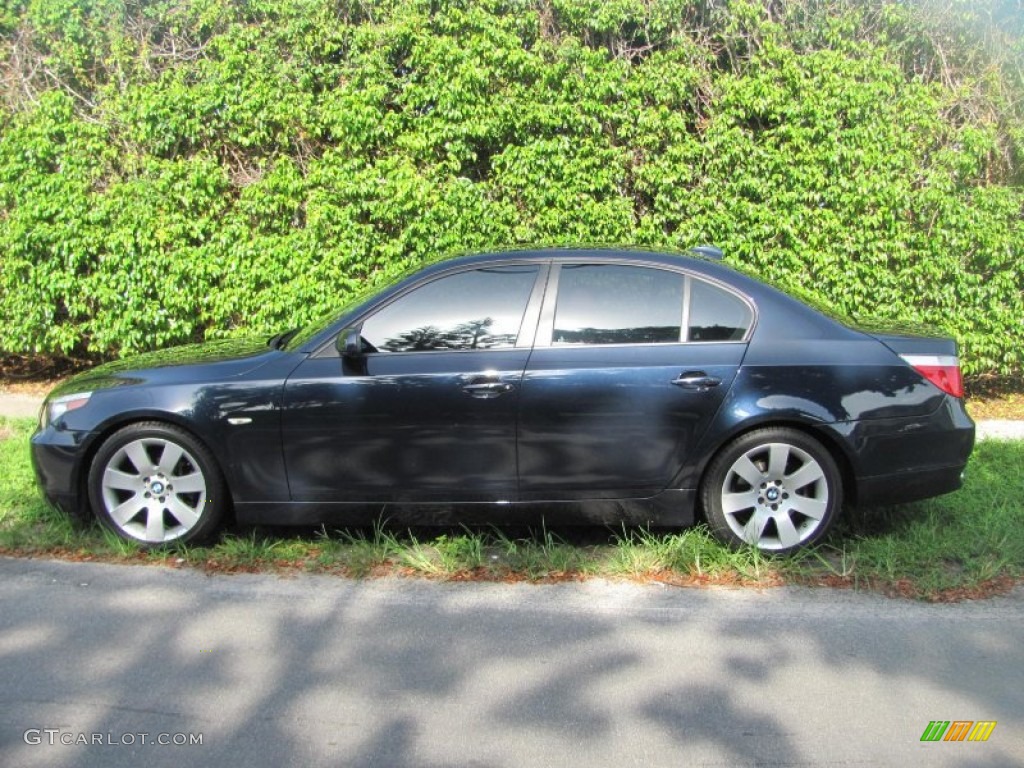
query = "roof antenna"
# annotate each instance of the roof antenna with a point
(708, 252)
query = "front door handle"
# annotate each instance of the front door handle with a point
(697, 380)
(487, 390)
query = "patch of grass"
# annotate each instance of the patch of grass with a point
(956, 541)
(359, 553)
(543, 556)
(421, 558)
(113, 544)
(460, 552)
(244, 550)
(638, 553)
(961, 545)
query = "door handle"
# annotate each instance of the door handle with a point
(486, 390)
(697, 380)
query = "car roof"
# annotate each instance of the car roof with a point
(714, 269)
(667, 257)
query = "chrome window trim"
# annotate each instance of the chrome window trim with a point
(546, 327)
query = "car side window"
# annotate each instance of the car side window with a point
(617, 304)
(715, 314)
(476, 309)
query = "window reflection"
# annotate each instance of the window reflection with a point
(614, 304)
(716, 315)
(478, 309)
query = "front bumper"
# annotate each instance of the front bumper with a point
(57, 462)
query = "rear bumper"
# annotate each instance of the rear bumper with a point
(902, 487)
(901, 460)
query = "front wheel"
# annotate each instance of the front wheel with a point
(776, 489)
(155, 484)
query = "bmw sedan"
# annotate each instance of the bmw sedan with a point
(595, 386)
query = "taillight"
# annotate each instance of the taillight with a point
(941, 370)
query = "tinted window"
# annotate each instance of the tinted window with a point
(480, 309)
(611, 304)
(716, 315)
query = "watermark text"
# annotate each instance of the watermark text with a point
(54, 736)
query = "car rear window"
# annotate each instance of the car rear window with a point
(715, 314)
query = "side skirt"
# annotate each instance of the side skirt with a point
(672, 508)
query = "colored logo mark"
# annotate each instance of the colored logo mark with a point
(958, 730)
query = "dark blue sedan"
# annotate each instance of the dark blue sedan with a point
(593, 386)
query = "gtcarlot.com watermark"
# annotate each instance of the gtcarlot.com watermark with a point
(54, 736)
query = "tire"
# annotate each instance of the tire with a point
(776, 489)
(155, 484)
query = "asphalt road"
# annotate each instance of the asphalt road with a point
(311, 671)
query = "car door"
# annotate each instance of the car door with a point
(427, 413)
(630, 365)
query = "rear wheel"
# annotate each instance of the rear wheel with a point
(155, 484)
(776, 489)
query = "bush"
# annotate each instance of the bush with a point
(172, 172)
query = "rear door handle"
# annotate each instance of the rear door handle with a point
(697, 380)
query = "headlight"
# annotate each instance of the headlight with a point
(54, 409)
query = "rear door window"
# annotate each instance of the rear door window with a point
(618, 304)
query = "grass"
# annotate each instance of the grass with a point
(948, 543)
(966, 544)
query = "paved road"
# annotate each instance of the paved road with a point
(19, 406)
(322, 671)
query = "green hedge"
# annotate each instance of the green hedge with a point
(177, 171)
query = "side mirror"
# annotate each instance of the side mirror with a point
(350, 344)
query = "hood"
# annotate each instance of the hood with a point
(223, 358)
